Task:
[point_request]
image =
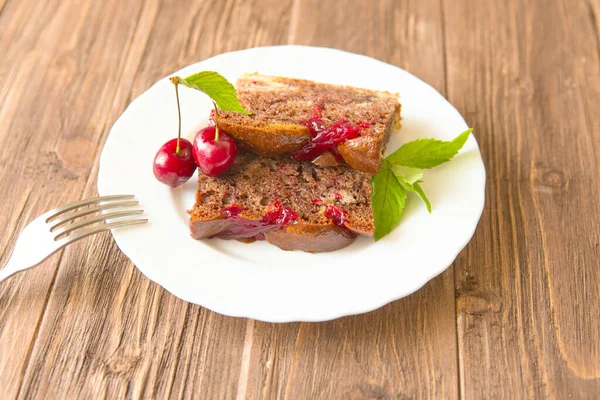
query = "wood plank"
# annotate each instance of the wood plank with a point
(527, 77)
(46, 153)
(404, 350)
(109, 331)
(2, 5)
(408, 348)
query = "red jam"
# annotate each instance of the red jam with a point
(279, 215)
(315, 124)
(316, 201)
(231, 211)
(326, 137)
(276, 217)
(336, 215)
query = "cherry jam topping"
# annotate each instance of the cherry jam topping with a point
(336, 215)
(276, 217)
(327, 137)
(315, 124)
(231, 211)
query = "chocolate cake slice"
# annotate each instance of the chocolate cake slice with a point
(313, 121)
(294, 205)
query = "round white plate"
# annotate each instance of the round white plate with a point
(261, 281)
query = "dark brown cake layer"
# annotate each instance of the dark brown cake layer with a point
(331, 205)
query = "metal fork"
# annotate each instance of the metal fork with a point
(64, 225)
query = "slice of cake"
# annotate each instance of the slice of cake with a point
(294, 205)
(327, 124)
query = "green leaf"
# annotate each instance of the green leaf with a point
(217, 88)
(428, 153)
(407, 174)
(410, 178)
(416, 188)
(389, 198)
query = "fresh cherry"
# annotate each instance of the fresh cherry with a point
(173, 167)
(174, 163)
(214, 151)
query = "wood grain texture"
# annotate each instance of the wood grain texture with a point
(49, 81)
(526, 76)
(516, 316)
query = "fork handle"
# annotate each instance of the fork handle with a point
(23, 258)
(8, 271)
(13, 267)
(20, 260)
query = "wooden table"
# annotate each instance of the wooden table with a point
(517, 314)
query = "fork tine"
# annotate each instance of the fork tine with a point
(94, 200)
(91, 231)
(71, 216)
(103, 217)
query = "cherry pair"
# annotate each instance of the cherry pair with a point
(213, 151)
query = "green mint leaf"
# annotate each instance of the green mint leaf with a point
(407, 174)
(428, 153)
(421, 193)
(217, 88)
(410, 178)
(416, 188)
(389, 198)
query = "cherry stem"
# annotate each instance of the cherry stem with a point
(175, 82)
(216, 127)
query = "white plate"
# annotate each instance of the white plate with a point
(261, 281)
